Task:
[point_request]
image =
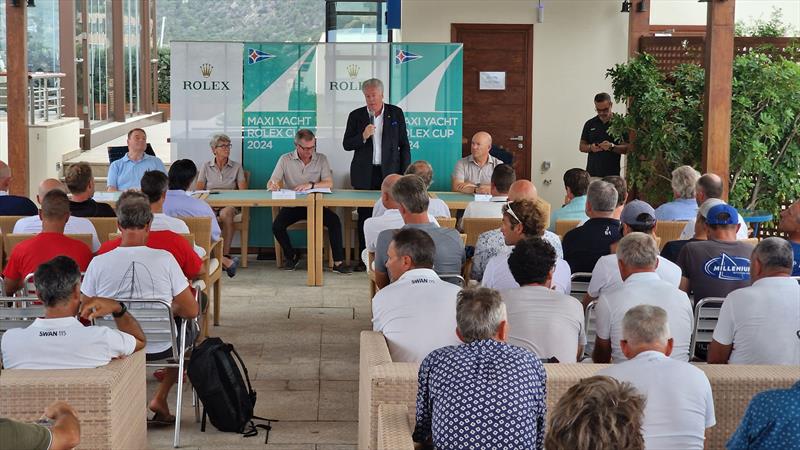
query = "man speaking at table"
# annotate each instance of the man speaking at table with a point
(377, 134)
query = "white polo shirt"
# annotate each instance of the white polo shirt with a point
(390, 220)
(498, 276)
(163, 222)
(679, 402)
(63, 343)
(606, 277)
(688, 230)
(546, 322)
(436, 208)
(75, 225)
(762, 323)
(645, 288)
(417, 314)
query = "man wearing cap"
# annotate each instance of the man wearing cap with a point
(636, 216)
(710, 186)
(721, 264)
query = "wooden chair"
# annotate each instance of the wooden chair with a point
(301, 226)
(564, 226)
(211, 276)
(104, 226)
(473, 227)
(11, 240)
(751, 241)
(546, 208)
(446, 222)
(669, 230)
(7, 223)
(189, 237)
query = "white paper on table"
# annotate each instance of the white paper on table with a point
(103, 196)
(284, 194)
(198, 192)
(317, 190)
(483, 197)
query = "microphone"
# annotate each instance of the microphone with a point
(371, 117)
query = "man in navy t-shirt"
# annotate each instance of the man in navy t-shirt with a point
(790, 224)
(604, 152)
(13, 205)
(584, 245)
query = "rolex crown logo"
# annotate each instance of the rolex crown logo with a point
(352, 70)
(205, 70)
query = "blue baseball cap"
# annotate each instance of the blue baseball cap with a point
(723, 214)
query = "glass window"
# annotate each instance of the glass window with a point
(356, 21)
(131, 33)
(43, 36)
(100, 53)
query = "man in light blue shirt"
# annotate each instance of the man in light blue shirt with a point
(178, 203)
(126, 172)
(684, 207)
(576, 181)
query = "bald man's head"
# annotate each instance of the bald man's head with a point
(386, 191)
(708, 186)
(47, 186)
(481, 143)
(522, 190)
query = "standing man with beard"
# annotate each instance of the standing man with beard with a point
(377, 134)
(604, 152)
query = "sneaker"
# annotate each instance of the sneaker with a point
(291, 263)
(231, 270)
(360, 267)
(342, 268)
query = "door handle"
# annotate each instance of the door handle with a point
(518, 138)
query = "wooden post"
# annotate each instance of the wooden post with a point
(638, 26)
(17, 91)
(719, 78)
(145, 67)
(66, 57)
(118, 46)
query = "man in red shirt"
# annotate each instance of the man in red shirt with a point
(181, 250)
(51, 242)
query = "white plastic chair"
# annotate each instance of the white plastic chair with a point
(580, 284)
(706, 314)
(589, 326)
(18, 312)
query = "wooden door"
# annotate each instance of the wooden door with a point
(505, 114)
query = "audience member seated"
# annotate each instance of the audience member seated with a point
(672, 249)
(484, 393)
(59, 340)
(301, 170)
(29, 254)
(154, 185)
(417, 312)
(759, 324)
(679, 402)
(489, 243)
(13, 205)
(63, 434)
(178, 203)
(135, 271)
(637, 216)
(412, 198)
(502, 178)
(576, 182)
(597, 413)
(473, 174)
(80, 182)
(540, 319)
(621, 186)
(521, 219)
(719, 265)
(790, 224)
(684, 207)
(390, 219)
(222, 173)
(771, 421)
(126, 172)
(710, 186)
(638, 257)
(584, 245)
(190, 263)
(75, 225)
(436, 206)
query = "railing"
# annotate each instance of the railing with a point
(44, 96)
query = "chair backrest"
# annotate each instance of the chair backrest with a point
(580, 284)
(200, 227)
(11, 240)
(473, 227)
(669, 230)
(104, 227)
(564, 226)
(19, 312)
(589, 327)
(117, 152)
(453, 278)
(546, 208)
(189, 237)
(156, 319)
(7, 223)
(446, 222)
(706, 314)
(751, 241)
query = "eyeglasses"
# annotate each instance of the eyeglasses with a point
(308, 149)
(603, 110)
(511, 212)
(228, 146)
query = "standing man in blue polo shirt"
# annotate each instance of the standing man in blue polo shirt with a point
(604, 151)
(126, 172)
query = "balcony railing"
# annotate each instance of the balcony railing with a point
(45, 96)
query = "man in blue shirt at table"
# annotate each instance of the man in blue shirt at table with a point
(576, 182)
(790, 224)
(126, 172)
(484, 393)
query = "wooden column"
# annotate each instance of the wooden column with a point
(145, 67)
(17, 90)
(118, 45)
(638, 26)
(66, 57)
(719, 78)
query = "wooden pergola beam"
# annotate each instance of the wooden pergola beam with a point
(719, 54)
(638, 26)
(17, 92)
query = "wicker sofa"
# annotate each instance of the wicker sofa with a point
(110, 400)
(388, 389)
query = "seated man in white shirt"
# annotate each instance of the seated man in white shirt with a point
(417, 311)
(710, 186)
(437, 207)
(637, 216)
(135, 271)
(154, 185)
(390, 219)
(679, 404)
(503, 177)
(75, 225)
(540, 319)
(759, 324)
(521, 219)
(59, 340)
(638, 256)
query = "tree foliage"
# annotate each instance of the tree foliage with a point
(665, 113)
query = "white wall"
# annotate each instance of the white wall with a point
(577, 42)
(48, 143)
(691, 12)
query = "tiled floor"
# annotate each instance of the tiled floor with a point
(300, 345)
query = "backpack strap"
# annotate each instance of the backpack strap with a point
(244, 368)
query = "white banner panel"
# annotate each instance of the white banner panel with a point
(205, 98)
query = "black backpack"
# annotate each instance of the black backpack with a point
(227, 401)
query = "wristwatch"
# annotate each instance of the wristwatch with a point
(121, 312)
(612, 146)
